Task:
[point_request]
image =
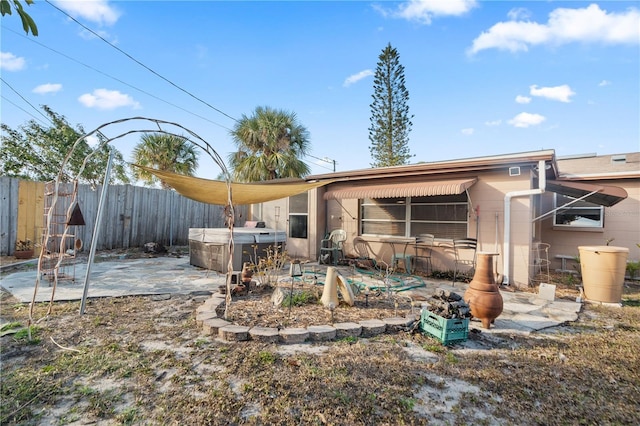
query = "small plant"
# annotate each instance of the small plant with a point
(269, 267)
(299, 299)
(266, 357)
(29, 335)
(433, 348)
(348, 339)
(633, 268)
(407, 403)
(10, 326)
(451, 358)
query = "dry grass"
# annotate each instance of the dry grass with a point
(142, 360)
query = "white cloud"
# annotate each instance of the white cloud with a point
(558, 93)
(493, 123)
(525, 119)
(107, 99)
(519, 13)
(587, 25)
(11, 62)
(523, 99)
(98, 11)
(89, 35)
(92, 140)
(469, 131)
(423, 11)
(44, 89)
(356, 77)
(604, 83)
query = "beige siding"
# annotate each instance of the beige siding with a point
(621, 222)
(488, 195)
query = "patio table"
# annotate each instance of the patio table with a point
(399, 251)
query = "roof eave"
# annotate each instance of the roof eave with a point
(444, 167)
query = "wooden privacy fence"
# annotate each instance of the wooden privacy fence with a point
(132, 215)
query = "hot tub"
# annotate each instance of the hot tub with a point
(209, 247)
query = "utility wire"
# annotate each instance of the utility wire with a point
(118, 80)
(23, 98)
(140, 63)
(21, 109)
(326, 160)
(136, 88)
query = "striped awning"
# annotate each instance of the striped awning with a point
(410, 189)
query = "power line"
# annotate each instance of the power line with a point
(30, 39)
(21, 109)
(138, 89)
(23, 98)
(140, 63)
(326, 160)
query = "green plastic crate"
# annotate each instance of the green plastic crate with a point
(448, 331)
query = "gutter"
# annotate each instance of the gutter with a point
(542, 183)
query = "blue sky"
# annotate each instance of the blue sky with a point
(484, 77)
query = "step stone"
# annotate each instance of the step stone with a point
(372, 327)
(264, 334)
(213, 325)
(205, 315)
(397, 323)
(234, 333)
(294, 335)
(347, 329)
(321, 333)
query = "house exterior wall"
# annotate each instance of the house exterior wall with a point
(298, 248)
(621, 223)
(487, 199)
(486, 215)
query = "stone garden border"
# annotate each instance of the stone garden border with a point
(207, 318)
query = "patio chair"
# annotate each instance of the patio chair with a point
(464, 250)
(365, 257)
(423, 248)
(331, 248)
(541, 263)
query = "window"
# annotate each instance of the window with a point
(580, 214)
(298, 215)
(443, 216)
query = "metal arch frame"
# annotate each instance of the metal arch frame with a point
(193, 138)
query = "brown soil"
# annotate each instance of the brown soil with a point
(256, 309)
(144, 360)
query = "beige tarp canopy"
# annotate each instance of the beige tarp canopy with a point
(215, 191)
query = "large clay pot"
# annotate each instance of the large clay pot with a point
(247, 273)
(482, 295)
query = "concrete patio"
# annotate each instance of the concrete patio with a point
(523, 312)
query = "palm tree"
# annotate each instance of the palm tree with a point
(270, 144)
(164, 152)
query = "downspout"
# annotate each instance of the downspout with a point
(542, 183)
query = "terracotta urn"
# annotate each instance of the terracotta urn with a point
(247, 273)
(483, 295)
